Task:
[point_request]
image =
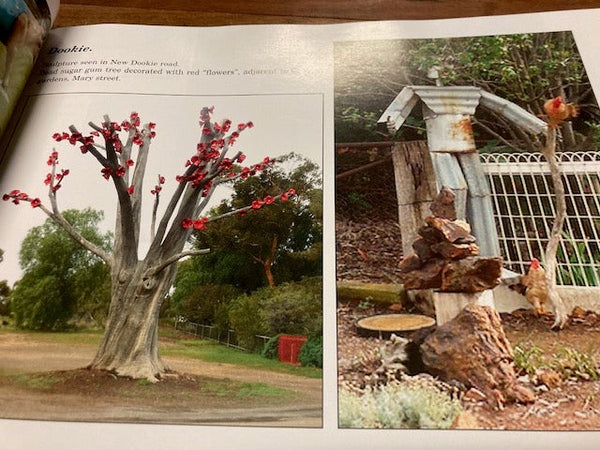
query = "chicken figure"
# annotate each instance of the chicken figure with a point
(536, 291)
(558, 111)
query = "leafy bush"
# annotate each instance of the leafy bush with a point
(271, 348)
(528, 358)
(572, 363)
(244, 318)
(205, 303)
(568, 362)
(311, 353)
(397, 406)
(292, 308)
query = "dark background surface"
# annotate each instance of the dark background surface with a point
(210, 13)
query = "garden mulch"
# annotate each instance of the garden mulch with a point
(574, 404)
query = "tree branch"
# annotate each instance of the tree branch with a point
(155, 270)
(75, 235)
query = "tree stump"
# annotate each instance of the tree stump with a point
(473, 349)
(384, 325)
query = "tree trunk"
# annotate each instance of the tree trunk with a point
(560, 309)
(269, 274)
(268, 262)
(130, 344)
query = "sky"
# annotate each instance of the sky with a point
(283, 123)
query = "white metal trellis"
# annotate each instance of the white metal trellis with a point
(524, 209)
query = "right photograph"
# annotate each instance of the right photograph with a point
(467, 234)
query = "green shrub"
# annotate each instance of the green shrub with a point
(244, 318)
(271, 348)
(568, 362)
(528, 358)
(397, 406)
(204, 303)
(311, 353)
(572, 363)
(292, 308)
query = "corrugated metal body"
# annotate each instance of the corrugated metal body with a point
(449, 99)
(480, 209)
(449, 133)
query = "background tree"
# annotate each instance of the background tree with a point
(272, 237)
(290, 308)
(526, 69)
(5, 292)
(61, 279)
(139, 284)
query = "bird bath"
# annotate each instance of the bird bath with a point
(383, 326)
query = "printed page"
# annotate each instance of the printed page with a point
(335, 96)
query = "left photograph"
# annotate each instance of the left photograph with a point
(161, 260)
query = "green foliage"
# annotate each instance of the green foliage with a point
(357, 125)
(245, 319)
(580, 270)
(311, 353)
(212, 352)
(294, 308)
(61, 279)
(568, 362)
(572, 363)
(271, 348)
(208, 304)
(397, 406)
(4, 298)
(526, 69)
(263, 239)
(219, 267)
(528, 358)
(366, 304)
(291, 308)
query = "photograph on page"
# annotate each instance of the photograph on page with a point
(467, 233)
(161, 260)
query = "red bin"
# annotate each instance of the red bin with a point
(289, 348)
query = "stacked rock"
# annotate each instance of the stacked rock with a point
(445, 256)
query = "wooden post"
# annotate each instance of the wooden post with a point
(415, 188)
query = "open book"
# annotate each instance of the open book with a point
(199, 111)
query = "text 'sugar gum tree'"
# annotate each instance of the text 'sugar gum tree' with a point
(139, 285)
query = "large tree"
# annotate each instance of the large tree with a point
(61, 279)
(139, 283)
(270, 236)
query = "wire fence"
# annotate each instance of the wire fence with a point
(217, 334)
(523, 200)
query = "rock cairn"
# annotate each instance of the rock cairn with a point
(445, 256)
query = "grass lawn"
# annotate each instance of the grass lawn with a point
(171, 344)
